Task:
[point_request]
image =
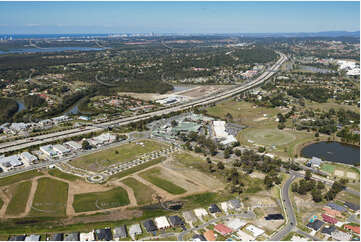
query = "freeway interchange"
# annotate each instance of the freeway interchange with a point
(42, 139)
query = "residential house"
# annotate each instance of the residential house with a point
(200, 212)
(198, 237)
(328, 229)
(341, 236)
(336, 207)
(214, 209)
(222, 229)
(175, 221)
(162, 222)
(355, 229)
(234, 204)
(189, 217)
(120, 232)
(276, 216)
(72, 237)
(315, 225)
(209, 235)
(235, 224)
(17, 238)
(149, 226)
(87, 236)
(352, 206)
(329, 219)
(57, 237)
(254, 230)
(104, 234)
(134, 230)
(32, 237)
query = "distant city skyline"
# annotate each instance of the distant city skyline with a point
(177, 17)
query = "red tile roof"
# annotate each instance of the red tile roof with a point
(209, 235)
(329, 219)
(355, 229)
(222, 229)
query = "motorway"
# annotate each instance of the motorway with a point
(42, 139)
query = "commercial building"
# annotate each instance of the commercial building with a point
(48, 151)
(28, 157)
(61, 150)
(11, 161)
(244, 236)
(220, 133)
(73, 145)
(315, 162)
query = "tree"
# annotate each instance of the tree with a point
(226, 154)
(308, 175)
(316, 195)
(261, 149)
(294, 187)
(174, 123)
(317, 134)
(320, 185)
(197, 149)
(220, 165)
(268, 181)
(85, 145)
(229, 117)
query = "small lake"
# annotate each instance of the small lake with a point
(333, 151)
(51, 49)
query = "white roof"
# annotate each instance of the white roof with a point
(60, 148)
(254, 230)
(200, 212)
(220, 132)
(13, 159)
(73, 144)
(135, 229)
(104, 138)
(48, 149)
(162, 222)
(224, 206)
(244, 236)
(235, 224)
(87, 236)
(26, 155)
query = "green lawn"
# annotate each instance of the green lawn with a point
(154, 176)
(19, 198)
(100, 200)
(328, 168)
(50, 198)
(63, 175)
(205, 199)
(142, 193)
(137, 168)
(19, 177)
(123, 153)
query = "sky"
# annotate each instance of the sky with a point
(177, 17)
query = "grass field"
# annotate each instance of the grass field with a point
(267, 136)
(19, 177)
(153, 176)
(123, 153)
(137, 168)
(19, 198)
(50, 198)
(100, 200)
(142, 193)
(63, 175)
(327, 168)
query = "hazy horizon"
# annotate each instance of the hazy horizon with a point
(177, 17)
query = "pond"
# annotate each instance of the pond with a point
(21, 105)
(51, 49)
(333, 151)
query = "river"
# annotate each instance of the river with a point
(333, 151)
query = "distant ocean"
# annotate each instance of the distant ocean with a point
(50, 36)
